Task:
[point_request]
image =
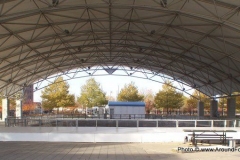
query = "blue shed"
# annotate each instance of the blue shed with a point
(126, 109)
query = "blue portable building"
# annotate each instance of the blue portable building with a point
(126, 109)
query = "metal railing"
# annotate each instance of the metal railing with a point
(56, 122)
(119, 116)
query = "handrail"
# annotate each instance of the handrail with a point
(123, 116)
(58, 122)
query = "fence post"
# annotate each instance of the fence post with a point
(137, 124)
(96, 124)
(195, 123)
(212, 124)
(156, 123)
(7, 122)
(225, 123)
(235, 122)
(177, 123)
(117, 125)
(76, 124)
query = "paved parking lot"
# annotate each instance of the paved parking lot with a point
(103, 151)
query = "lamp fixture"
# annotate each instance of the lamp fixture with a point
(152, 31)
(66, 31)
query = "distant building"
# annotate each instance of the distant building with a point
(28, 95)
(126, 109)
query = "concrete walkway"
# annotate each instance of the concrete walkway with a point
(26, 150)
(103, 151)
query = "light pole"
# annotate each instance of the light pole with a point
(86, 110)
(222, 108)
(167, 103)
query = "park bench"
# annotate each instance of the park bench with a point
(209, 136)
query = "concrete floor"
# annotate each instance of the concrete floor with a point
(103, 151)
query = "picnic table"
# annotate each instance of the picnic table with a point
(208, 134)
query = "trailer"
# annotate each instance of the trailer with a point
(126, 110)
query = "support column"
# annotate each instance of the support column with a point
(200, 109)
(231, 107)
(214, 108)
(5, 108)
(19, 108)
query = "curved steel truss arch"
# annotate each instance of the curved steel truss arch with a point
(195, 42)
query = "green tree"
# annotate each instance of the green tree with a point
(91, 94)
(149, 101)
(168, 97)
(237, 100)
(222, 103)
(57, 95)
(237, 103)
(192, 102)
(129, 93)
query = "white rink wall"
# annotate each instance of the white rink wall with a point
(100, 134)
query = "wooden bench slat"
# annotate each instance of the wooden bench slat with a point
(206, 135)
(211, 137)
